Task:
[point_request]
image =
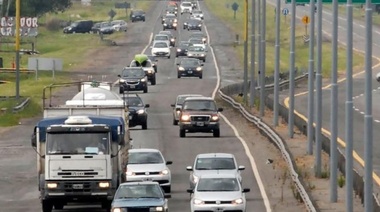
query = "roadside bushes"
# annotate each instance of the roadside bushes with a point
(56, 24)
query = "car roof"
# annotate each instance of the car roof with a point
(140, 183)
(199, 98)
(165, 33)
(215, 155)
(220, 175)
(143, 150)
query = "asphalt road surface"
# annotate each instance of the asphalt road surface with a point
(18, 179)
(358, 83)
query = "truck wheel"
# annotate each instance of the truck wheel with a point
(178, 76)
(106, 205)
(216, 133)
(200, 77)
(146, 89)
(153, 81)
(167, 189)
(175, 122)
(182, 133)
(47, 206)
(58, 206)
(144, 126)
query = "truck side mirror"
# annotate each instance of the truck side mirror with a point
(118, 75)
(122, 141)
(34, 140)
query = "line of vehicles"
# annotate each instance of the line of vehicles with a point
(85, 153)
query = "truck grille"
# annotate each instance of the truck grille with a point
(200, 118)
(77, 173)
(138, 209)
(133, 82)
(77, 187)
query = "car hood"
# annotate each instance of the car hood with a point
(189, 52)
(146, 167)
(221, 196)
(160, 50)
(199, 173)
(189, 66)
(138, 202)
(197, 112)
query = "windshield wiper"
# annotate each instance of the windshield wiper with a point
(203, 169)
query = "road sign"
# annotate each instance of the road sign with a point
(122, 5)
(285, 11)
(305, 19)
(330, 1)
(235, 6)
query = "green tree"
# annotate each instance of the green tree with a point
(35, 8)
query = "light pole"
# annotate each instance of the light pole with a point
(245, 86)
(17, 49)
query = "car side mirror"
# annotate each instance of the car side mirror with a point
(178, 109)
(202, 64)
(118, 75)
(190, 191)
(172, 105)
(220, 109)
(246, 190)
(34, 140)
(147, 105)
(169, 162)
(241, 168)
(189, 168)
(168, 196)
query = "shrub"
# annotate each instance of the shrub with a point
(53, 24)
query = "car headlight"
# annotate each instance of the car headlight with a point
(116, 210)
(165, 24)
(199, 25)
(172, 40)
(203, 39)
(184, 23)
(174, 24)
(143, 80)
(198, 202)
(129, 173)
(181, 69)
(52, 185)
(189, 54)
(237, 201)
(141, 111)
(195, 178)
(164, 172)
(133, 15)
(215, 118)
(104, 184)
(199, 69)
(175, 20)
(185, 117)
(159, 208)
(202, 55)
(178, 50)
(150, 71)
(122, 80)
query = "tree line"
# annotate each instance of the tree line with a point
(34, 8)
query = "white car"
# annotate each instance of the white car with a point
(119, 25)
(218, 192)
(186, 7)
(198, 42)
(148, 165)
(161, 38)
(211, 163)
(161, 49)
(197, 14)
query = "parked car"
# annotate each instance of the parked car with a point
(137, 111)
(83, 26)
(178, 105)
(119, 25)
(133, 79)
(137, 15)
(140, 196)
(106, 28)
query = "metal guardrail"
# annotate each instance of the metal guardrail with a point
(280, 145)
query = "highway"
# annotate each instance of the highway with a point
(358, 84)
(18, 178)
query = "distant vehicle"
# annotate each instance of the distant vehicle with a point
(178, 105)
(182, 48)
(154, 61)
(171, 37)
(169, 23)
(171, 11)
(133, 196)
(143, 61)
(137, 111)
(190, 67)
(119, 25)
(186, 7)
(161, 49)
(193, 24)
(137, 15)
(161, 38)
(213, 163)
(133, 79)
(197, 14)
(197, 52)
(199, 114)
(215, 188)
(194, 4)
(149, 165)
(79, 27)
(199, 35)
(198, 42)
(106, 28)
(166, 16)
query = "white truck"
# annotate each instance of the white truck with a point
(82, 150)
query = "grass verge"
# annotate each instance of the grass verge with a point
(73, 49)
(358, 12)
(222, 10)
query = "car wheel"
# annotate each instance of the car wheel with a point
(175, 122)
(47, 206)
(178, 76)
(200, 77)
(182, 133)
(176, 55)
(144, 20)
(121, 90)
(144, 126)
(167, 189)
(153, 81)
(146, 89)
(169, 57)
(216, 133)
(204, 60)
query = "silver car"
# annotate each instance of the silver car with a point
(197, 52)
(148, 165)
(218, 192)
(178, 104)
(211, 163)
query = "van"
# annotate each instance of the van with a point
(83, 26)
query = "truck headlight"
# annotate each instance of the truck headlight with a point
(199, 69)
(215, 118)
(165, 24)
(199, 25)
(202, 55)
(175, 24)
(237, 201)
(141, 111)
(181, 69)
(189, 54)
(116, 210)
(104, 184)
(198, 202)
(159, 208)
(165, 172)
(185, 118)
(52, 185)
(172, 40)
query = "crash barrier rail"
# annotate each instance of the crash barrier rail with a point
(278, 141)
(13, 70)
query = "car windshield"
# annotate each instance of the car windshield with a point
(189, 63)
(145, 158)
(194, 22)
(184, 44)
(138, 191)
(196, 41)
(160, 45)
(133, 101)
(170, 19)
(207, 105)
(161, 38)
(215, 164)
(196, 49)
(170, 16)
(106, 24)
(133, 73)
(197, 12)
(186, 4)
(218, 184)
(138, 12)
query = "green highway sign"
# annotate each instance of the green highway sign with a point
(330, 1)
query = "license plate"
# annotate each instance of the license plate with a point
(132, 86)
(148, 179)
(190, 72)
(200, 124)
(77, 186)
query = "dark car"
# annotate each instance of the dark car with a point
(154, 61)
(182, 48)
(171, 37)
(199, 35)
(190, 67)
(96, 28)
(169, 23)
(133, 79)
(193, 24)
(79, 27)
(103, 28)
(137, 111)
(199, 114)
(137, 15)
(166, 16)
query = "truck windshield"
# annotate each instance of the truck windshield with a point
(77, 143)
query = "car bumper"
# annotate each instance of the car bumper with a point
(194, 28)
(197, 57)
(138, 18)
(217, 208)
(191, 73)
(135, 87)
(163, 180)
(170, 27)
(181, 53)
(161, 54)
(137, 119)
(194, 126)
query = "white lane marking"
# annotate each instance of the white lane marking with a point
(147, 46)
(362, 95)
(243, 142)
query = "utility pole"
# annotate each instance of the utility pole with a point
(245, 86)
(252, 91)
(18, 49)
